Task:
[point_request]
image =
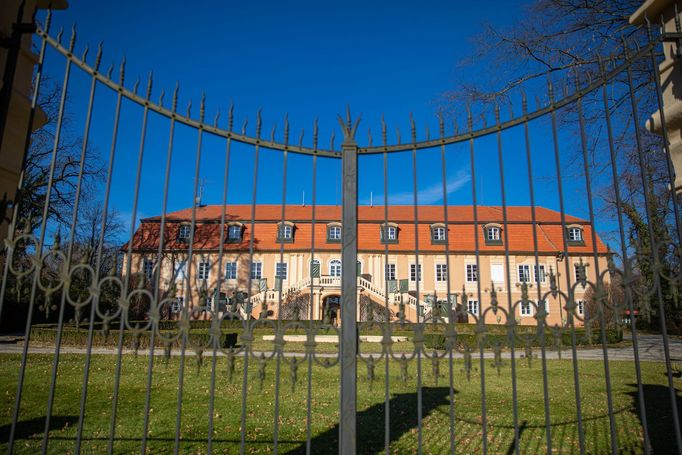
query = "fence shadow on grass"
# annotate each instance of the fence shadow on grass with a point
(371, 426)
(659, 416)
(27, 428)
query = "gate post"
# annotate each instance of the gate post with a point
(349, 283)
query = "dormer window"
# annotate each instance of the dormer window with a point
(575, 235)
(438, 233)
(234, 232)
(334, 232)
(184, 232)
(285, 232)
(389, 233)
(493, 234)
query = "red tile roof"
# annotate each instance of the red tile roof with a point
(460, 220)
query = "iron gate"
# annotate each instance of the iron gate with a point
(75, 289)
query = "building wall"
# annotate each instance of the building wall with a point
(298, 264)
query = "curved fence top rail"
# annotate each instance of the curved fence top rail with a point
(272, 144)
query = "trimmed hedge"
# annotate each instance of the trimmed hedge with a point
(438, 340)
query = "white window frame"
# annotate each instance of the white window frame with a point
(204, 270)
(233, 267)
(334, 232)
(441, 272)
(333, 265)
(283, 265)
(580, 307)
(471, 271)
(575, 234)
(256, 270)
(543, 273)
(523, 272)
(438, 234)
(526, 309)
(472, 304)
(390, 275)
(181, 230)
(546, 305)
(413, 273)
(285, 232)
(493, 233)
(576, 267)
(234, 228)
(148, 268)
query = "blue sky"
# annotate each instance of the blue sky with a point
(308, 60)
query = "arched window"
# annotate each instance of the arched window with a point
(574, 234)
(492, 233)
(389, 233)
(335, 267)
(184, 232)
(438, 233)
(234, 232)
(334, 233)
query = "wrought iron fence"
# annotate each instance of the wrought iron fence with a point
(62, 279)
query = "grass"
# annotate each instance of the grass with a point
(325, 398)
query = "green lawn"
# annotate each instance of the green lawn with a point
(325, 387)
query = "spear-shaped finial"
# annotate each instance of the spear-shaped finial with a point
(136, 85)
(550, 91)
(441, 124)
(163, 93)
(348, 120)
(98, 57)
(524, 103)
(397, 135)
(202, 108)
(189, 109)
(413, 129)
(149, 85)
(60, 33)
(273, 132)
(497, 113)
(230, 116)
(122, 71)
(246, 122)
(216, 118)
(331, 140)
(315, 133)
(259, 122)
(176, 91)
(48, 20)
(286, 129)
(110, 70)
(72, 42)
(84, 56)
(384, 133)
(300, 138)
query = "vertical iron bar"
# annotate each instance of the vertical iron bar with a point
(157, 278)
(543, 325)
(308, 420)
(279, 329)
(664, 330)
(484, 418)
(569, 314)
(98, 262)
(387, 353)
(447, 267)
(124, 294)
(515, 404)
(419, 276)
(252, 235)
(129, 259)
(185, 310)
(221, 250)
(349, 283)
(605, 353)
(626, 265)
(39, 255)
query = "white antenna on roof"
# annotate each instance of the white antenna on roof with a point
(371, 199)
(201, 192)
(303, 201)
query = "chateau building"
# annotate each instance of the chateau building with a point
(475, 262)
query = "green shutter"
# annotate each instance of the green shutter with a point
(392, 286)
(315, 270)
(263, 285)
(404, 286)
